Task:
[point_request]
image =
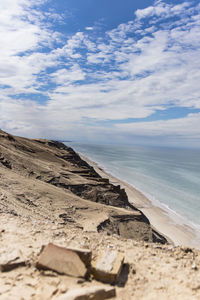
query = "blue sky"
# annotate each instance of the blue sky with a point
(104, 71)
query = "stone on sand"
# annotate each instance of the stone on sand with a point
(107, 266)
(61, 260)
(84, 254)
(10, 261)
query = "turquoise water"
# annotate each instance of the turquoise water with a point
(166, 175)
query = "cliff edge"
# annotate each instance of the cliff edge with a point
(32, 162)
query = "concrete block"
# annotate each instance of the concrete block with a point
(84, 254)
(61, 260)
(107, 266)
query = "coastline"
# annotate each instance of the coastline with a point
(166, 222)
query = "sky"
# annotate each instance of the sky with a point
(106, 71)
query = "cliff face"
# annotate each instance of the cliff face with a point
(26, 162)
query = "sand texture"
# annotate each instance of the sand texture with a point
(49, 194)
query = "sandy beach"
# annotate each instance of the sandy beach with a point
(164, 221)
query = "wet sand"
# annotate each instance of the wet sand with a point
(164, 221)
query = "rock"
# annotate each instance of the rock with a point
(10, 261)
(61, 260)
(84, 254)
(194, 266)
(107, 266)
(89, 293)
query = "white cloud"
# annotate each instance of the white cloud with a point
(161, 9)
(66, 77)
(187, 127)
(21, 31)
(143, 13)
(89, 28)
(130, 72)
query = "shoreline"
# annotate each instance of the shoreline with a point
(165, 221)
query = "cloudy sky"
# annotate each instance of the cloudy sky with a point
(101, 70)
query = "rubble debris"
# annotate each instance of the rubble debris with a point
(61, 260)
(84, 254)
(10, 261)
(107, 266)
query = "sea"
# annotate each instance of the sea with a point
(169, 177)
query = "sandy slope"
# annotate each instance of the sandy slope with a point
(155, 271)
(48, 194)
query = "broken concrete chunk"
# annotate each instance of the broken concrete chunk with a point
(61, 260)
(107, 266)
(89, 293)
(10, 261)
(84, 254)
(12, 265)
